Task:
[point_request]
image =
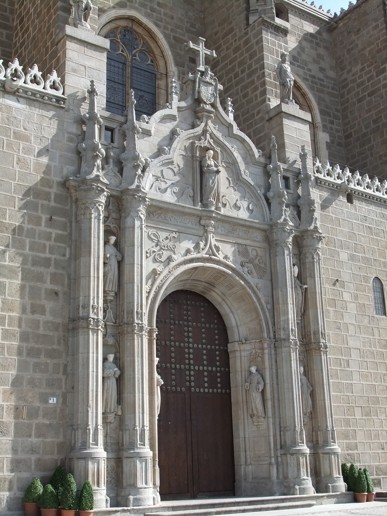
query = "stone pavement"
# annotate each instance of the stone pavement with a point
(345, 509)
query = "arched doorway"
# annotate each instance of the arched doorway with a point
(195, 440)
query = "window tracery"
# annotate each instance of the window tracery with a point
(379, 300)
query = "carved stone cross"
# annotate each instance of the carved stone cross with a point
(202, 51)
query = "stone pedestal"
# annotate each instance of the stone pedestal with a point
(291, 128)
(87, 457)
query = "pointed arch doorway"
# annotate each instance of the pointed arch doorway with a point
(195, 440)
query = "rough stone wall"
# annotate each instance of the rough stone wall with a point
(34, 255)
(354, 252)
(7, 11)
(37, 25)
(360, 45)
(179, 21)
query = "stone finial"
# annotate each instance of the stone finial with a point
(14, 76)
(306, 203)
(91, 150)
(229, 108)
(174, 90)
(81, 12)
(202, 53)
(277, 195)
(134, 164)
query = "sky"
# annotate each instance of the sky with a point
(333, 5)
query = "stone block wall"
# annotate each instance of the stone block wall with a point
(360, 47)
(34, 256)
(353, 253)
(7, 12)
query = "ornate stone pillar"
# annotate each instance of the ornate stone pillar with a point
(137, 467)
(87, 457)
(328, 453)
(295, 454)
(153, 411)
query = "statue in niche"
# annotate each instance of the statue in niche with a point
(210, 171)
(286, 79)
(306, 398)
(299, 294)
(111, 258)
(82, 11)
(159, 383)
(110, 374)
(254, 386)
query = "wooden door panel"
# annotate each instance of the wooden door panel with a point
(194, 428)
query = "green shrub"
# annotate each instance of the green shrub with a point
(345, 472)
(370, 484)
(361, 482)
(49, 498)
(352, 475)
(68, 493)
(33, 491)
(58, 478)
(86, 502)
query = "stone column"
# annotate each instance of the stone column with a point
(295, 454)
(87, 457)
(153, 413)
(137, 482)
(328, 453)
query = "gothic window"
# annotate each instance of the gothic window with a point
(379, 301)
(131, 64)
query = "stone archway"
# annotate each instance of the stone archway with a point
(248, 327)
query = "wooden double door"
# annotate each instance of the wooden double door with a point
(195, 439)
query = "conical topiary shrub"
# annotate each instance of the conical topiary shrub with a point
(68, 493)
(370, 486)
(360, 487)
(33, 491)
(49, 498)
(352, 474)
(58, 478)
(86, 500)
(345, 473)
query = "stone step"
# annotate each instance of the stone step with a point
(232, 509)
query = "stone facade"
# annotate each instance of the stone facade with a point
(232, 199)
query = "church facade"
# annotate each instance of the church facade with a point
(193, 247)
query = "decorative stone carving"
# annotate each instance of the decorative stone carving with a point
(202, 52)
(34, 77)
(110, 374)
(159, 383)
(110, 273)
(277, 195)
(110, 171)
(162, 245)
(252, 263)
(14, 76)
(306, 203)
(229, 108)
(207, 245)
(299, 294)
(81, 12)
(254, 386)
(306, 398)
(210, 170)
(286, 79)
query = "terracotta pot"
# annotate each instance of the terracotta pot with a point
(68, 512)
(85, 513)
(31, 509)
(48, 512)
(360, 497)
(370, 497)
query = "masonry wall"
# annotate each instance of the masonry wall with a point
(353, 253)
(7, 12)
(34, 256)
(360, 49)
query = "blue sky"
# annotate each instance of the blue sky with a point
(333, 5)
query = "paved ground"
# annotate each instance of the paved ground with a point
(344, 509)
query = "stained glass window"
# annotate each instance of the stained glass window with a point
(130, 65)
(379, 301)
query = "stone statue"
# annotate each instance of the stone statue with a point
(286, 79)
(210, 172)
(254, 386)
(110, 272)
(110, 374)
(299, 294)
(306, 398)
(82, 11)
(159, 383)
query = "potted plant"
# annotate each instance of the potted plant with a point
(345, 473)
(86, 499)
(352, 474)
(370, 486)
(49, 502)
(360, 487)
(68, 496)
(58, 478)
(31, 497)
